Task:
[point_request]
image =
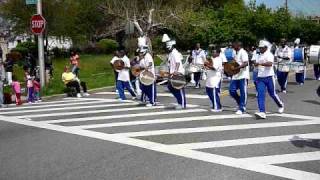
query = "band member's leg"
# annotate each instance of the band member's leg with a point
(211, 96)
(217, 98)
(197, 77)
(120, 88)
(182, 98)
(316, 68)
(261, 87)
(300, 78)
(84, 86)
(270, 83)
(128, 86)
(243, 94)
(234, 86)
(282, 80)
(179, 95)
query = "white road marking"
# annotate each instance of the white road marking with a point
(159, 121)
(69, 108)
(54, 105)
(219, 128)
(91, 99)
(92, 112)
(192, 96)
(192, 154)
(296, 116)
(125, 116)
(246, 141)
(285, 158)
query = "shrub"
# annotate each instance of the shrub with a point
(107, 45)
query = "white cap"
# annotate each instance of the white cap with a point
(165, 38)
(169, 44)
(142, 41)
(297, 41)
(263, 43)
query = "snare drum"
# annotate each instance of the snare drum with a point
(284, 67)
(297, 67)
(193, 69)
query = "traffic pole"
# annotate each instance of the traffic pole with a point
(41, 49)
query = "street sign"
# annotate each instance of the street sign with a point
(30, 2)
(38, 24)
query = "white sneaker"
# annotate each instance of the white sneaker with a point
(149, 105)
(284, 91)
(239, 112)
(216, 110)
(192, 82)
(79, 95)
(178, 107)
(86, 94)
(260, 115)
(134, 98)
(280, 110)
(318, 79)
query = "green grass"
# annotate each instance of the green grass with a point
(94, 70)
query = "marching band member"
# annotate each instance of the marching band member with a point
(213, 82)
(135, 80)
(283, 53)
(176, 67)
(199, 57)
(123, 80)
(240, 80)
(298, 56)
(146, 62)
(265, 80)
(316, 68)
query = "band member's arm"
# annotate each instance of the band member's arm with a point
(266, 64)
(177, 68)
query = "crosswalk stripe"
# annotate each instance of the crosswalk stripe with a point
(159, 121)
(193, 96)
(126, 116)
(56, 105)
(52, 102)
(219, 128)
(247, 141)
(68, 108)
(192, 154)
(285, 158)
(91, 112)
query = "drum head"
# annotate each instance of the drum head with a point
(118, 64)
(178, 81)
(146, 78)
(229, 68)
(135, 70)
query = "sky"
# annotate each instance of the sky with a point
(306, 7)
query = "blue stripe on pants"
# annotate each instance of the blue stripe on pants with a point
(241, 100)
(262, 84)
(179, 94)
(148, 91)
(282, 79)
(121, 86)
(214, 95)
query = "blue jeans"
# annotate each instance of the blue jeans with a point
(241, 99)
(149, 92)
(179, 94)
(214, 96)
(121, 86)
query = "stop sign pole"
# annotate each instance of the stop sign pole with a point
(41, 49)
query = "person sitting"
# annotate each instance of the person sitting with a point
(71, 81)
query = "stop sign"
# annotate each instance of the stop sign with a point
(38, 24)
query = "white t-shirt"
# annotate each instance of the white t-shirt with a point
(241, 57)
(199, 56)
(175, 57)
(145, 62)
(124, 73)
(264, 71)
(214, 76)
(285, 52)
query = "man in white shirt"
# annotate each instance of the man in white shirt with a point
(123, 80)
(265, 80)
(284, 55)
(240, 80)
(213, 81)
(146, 63)
(199, 57)
(176, 67)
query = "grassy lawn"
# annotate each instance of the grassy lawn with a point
(94, 70)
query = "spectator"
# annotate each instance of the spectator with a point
(71, 81)
(16, 90)
(2, 81)
(74, 61)
(37, 88)
(30, 87)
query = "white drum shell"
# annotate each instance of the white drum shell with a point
(314, 54)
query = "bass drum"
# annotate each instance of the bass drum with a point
(178, 81)
(314, 54)
(118, 64)
(146, 78)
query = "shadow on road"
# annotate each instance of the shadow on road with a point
(312, 102)
(301, 142)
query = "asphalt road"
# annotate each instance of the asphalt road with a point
(99, 138)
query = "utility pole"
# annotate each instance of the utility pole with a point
(41, 49)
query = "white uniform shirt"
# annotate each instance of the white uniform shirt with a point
(264, 71)
(146, 61)
(124, 73)
(175, 57)
(285, 52)
(241, 57)
(214, 76)
(199, 56)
